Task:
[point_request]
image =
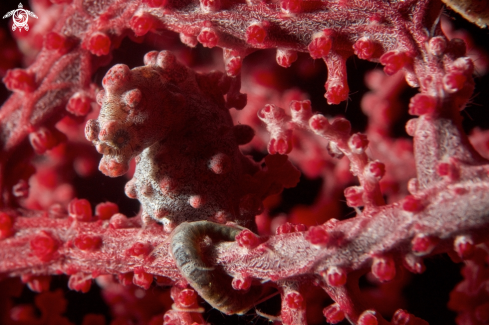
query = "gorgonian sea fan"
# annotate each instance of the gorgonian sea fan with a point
(193, 143)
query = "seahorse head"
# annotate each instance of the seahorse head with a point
(138, 108)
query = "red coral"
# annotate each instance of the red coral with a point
(215, 222)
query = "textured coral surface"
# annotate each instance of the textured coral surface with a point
(239, 179)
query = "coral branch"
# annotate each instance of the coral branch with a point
(355, 241)
(53, 245)
(64, 66)
(198, 191)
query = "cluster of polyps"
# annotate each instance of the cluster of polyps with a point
(84, 42)
(389, 32)
(340, 30)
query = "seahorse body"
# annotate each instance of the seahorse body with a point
(174, 121)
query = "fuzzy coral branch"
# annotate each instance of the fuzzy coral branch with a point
(357, 243)
(84, 37)
(66, 245)
(183, 150)
(341, 143)
(54, 244)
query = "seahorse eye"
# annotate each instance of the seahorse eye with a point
(121, 138)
